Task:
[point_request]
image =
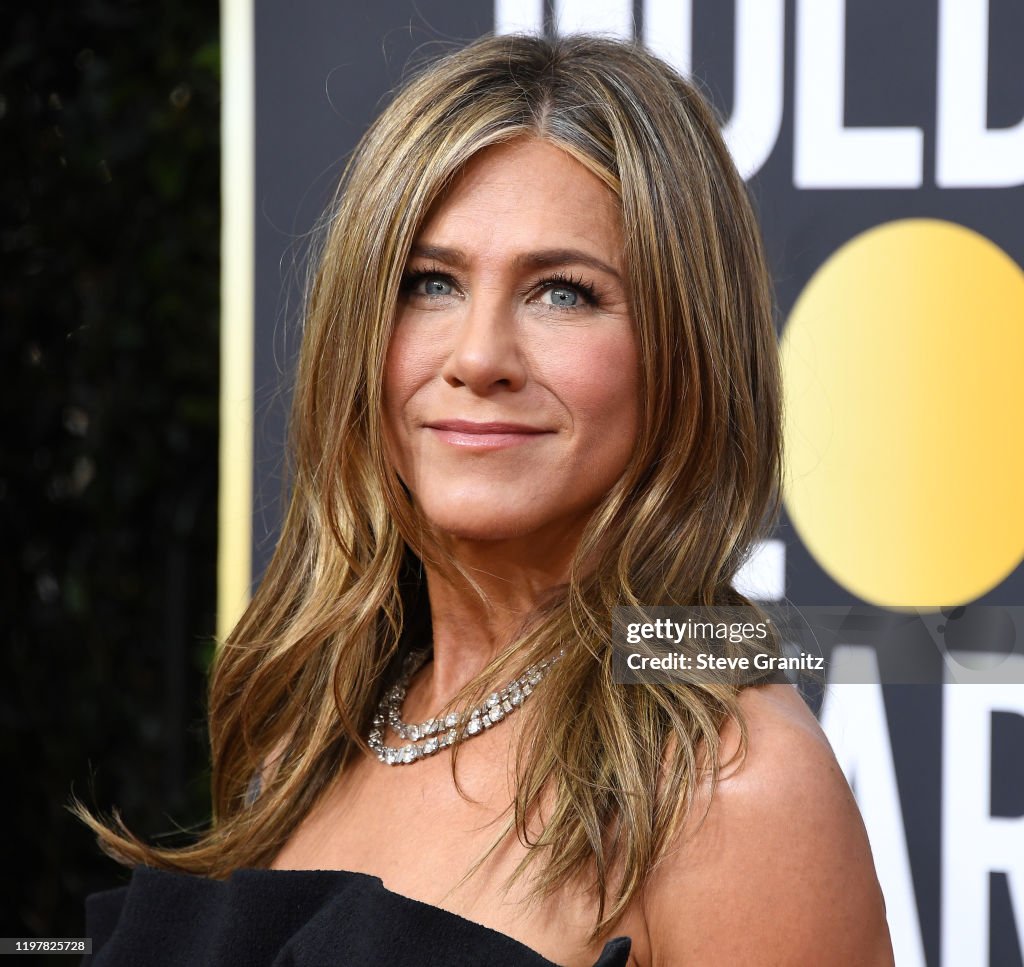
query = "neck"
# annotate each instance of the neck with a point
(468, 632)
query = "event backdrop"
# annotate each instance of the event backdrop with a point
(884, 146)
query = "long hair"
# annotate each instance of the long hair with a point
(302, 672)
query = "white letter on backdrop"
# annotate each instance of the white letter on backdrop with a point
(827, 154)
(595, 16)
(668, 32)
(853, 717)
(518, 16)
(756, 119)
(967, 153)
(974, 842)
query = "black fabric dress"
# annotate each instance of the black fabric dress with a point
(291, 918)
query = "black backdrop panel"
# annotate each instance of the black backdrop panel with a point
(323, 70)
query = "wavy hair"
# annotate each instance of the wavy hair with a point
(302, 672)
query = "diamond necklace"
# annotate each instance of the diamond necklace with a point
(426, 738)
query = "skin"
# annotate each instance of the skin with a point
(488, 337)
(480, 337)
(780, 874)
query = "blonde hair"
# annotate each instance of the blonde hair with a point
(305, 667)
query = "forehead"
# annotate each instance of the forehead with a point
(532, 193)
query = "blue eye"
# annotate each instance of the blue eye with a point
(429, 285)
(429, 282)
(564, 297)
(568, 292)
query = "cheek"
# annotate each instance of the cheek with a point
(405, 370)
(602, 388)
(398, 386)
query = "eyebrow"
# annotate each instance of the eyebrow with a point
(533, 260)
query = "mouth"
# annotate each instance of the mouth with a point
(472, 435)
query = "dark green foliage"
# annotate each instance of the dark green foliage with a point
(109, 234)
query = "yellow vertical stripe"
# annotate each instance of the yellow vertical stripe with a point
(234, 514)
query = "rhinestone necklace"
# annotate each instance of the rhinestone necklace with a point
(426, 738)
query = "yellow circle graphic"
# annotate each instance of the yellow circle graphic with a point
(903, 361)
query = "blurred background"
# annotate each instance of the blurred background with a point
(109, 322)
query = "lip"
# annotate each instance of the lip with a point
(471, 434)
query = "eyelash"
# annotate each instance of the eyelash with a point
(554, 280)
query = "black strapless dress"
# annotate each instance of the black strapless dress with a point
(292, 918)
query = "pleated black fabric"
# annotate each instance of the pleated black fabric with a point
(291, 918)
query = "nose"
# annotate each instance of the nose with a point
(486, 351)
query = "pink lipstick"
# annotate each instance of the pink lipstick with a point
(484, 436)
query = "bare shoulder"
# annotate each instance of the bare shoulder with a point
(780, 872)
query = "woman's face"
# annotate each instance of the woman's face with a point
(511, 382)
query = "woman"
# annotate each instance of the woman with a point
(538, 380)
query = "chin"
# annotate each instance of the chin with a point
(493, 528)
(476, 520)
(503, 518)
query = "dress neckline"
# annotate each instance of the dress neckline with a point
(245, 874)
